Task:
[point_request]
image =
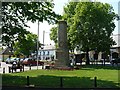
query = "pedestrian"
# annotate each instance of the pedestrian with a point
(19, 63)
(14, 65)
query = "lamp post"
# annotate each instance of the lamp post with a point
(37, 45)
(43, 43)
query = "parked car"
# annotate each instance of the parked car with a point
(11, 60)
(29, 61)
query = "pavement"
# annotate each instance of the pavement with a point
(5, 66)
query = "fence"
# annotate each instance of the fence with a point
(61, 82)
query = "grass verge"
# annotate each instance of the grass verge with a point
(107, 77)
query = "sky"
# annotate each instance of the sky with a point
(58, 8)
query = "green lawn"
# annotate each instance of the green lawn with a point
(107, 77)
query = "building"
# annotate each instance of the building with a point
(114, 51)
(48, 52)
(116, 48)
(5, 53)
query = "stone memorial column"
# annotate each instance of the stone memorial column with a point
(62, 53)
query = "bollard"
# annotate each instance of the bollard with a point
(95, 81)
(4, 70)
(61, 82)
(28, 83)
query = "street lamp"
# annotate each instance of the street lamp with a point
(43, 42)
(37, 45)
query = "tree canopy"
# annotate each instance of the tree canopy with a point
(17, 14)
(68, 13)
(94, 24)
(26, 45)
(91, 21)
(90, 26)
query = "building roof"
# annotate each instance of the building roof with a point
(48, 47)
(6, 51)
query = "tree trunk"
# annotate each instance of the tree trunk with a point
(104, 62)
(87, 57)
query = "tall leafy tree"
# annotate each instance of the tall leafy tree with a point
(69, 11)
(93, 26)
(16, 15)
(90, 26)
(26, 45)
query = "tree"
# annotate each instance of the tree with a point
(68, 13)
(16, 14)
(90, 26)
(93, 26)
(26, 45)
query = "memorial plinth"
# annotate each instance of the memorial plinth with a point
(62, 53)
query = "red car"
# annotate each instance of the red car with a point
(29, 61)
